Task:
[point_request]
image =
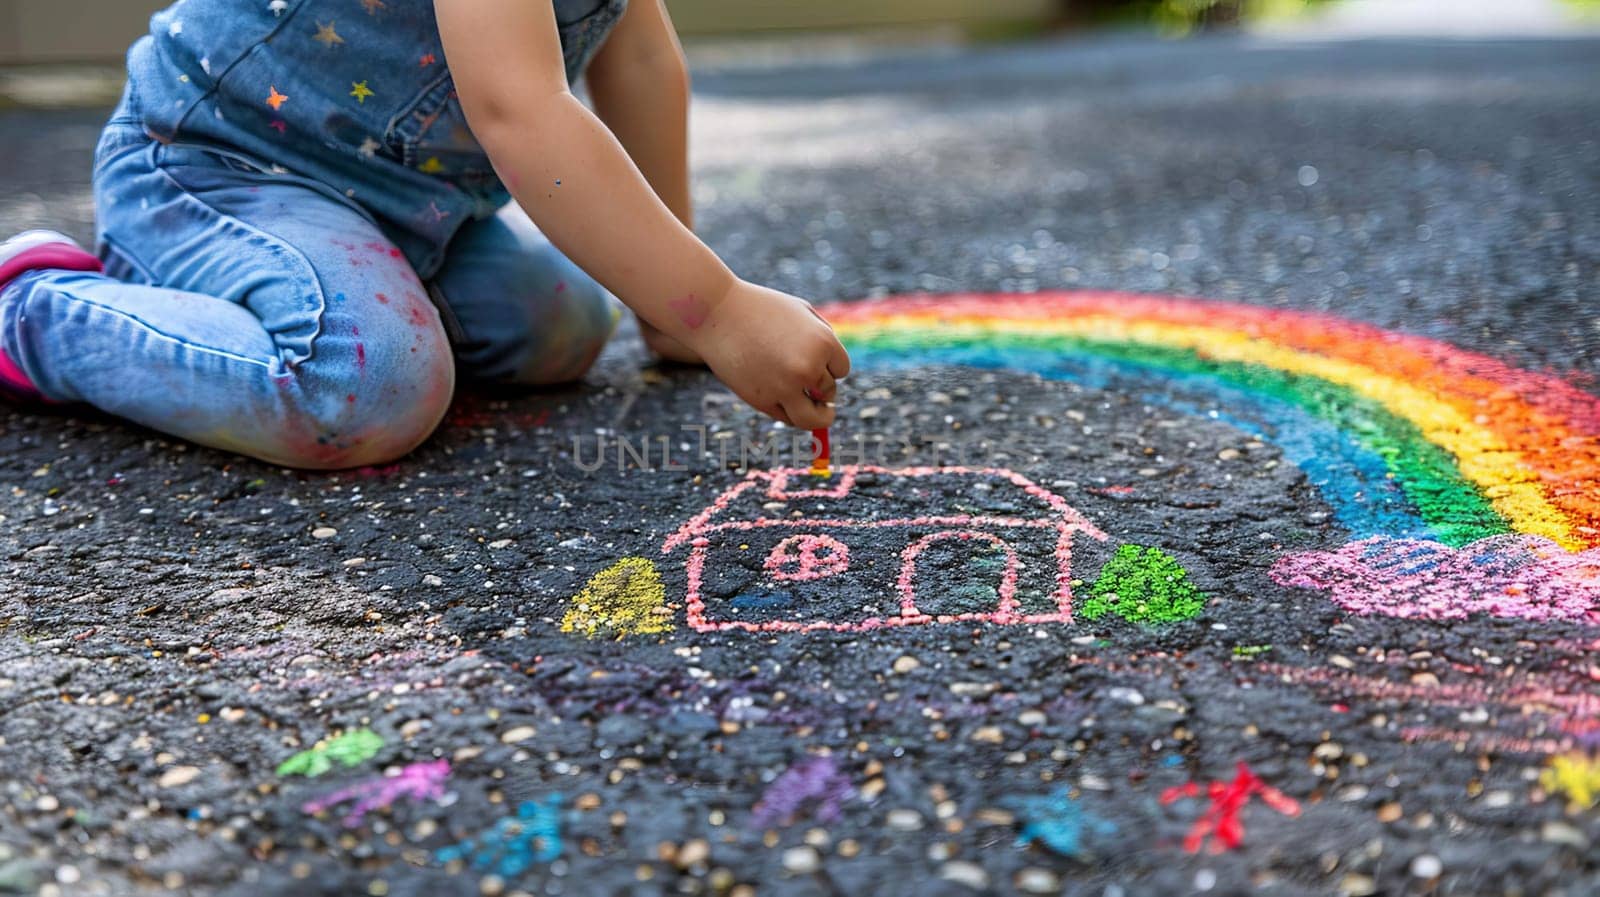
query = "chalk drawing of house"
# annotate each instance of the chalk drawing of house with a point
(871, 547)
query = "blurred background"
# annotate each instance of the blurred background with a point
(91, 31)
(1428, 164)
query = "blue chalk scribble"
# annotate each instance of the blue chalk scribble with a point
(762, 600)
(1056, 821)
(513, 845)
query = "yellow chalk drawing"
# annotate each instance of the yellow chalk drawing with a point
(626, 598)
(1575, 775)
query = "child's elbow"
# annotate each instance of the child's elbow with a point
(659, 69)
(499, 118)
(678, 75)
(671, 66)
(668, 74)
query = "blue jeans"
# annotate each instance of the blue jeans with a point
(267, 314)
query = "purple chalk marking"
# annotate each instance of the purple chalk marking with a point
(417, 781)
(815, 784)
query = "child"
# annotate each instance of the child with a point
(303, 205)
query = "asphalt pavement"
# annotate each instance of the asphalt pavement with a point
(498, 667)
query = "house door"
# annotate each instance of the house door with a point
(958, 575)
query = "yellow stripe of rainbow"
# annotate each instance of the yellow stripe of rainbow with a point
(1530, 442)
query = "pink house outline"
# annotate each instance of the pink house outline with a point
(1061, 517)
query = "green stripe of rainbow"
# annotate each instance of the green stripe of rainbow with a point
(1479, 447)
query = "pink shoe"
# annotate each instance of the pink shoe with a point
(32, 251)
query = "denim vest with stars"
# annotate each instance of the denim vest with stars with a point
(352, 94)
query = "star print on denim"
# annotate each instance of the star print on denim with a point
(276, 7)
(327, 36)
(368, 148)
(360, 91)
(432, 166)
(427, 60)
(275, 99)
(372, 6)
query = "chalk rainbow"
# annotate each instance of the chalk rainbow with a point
(1403, 436)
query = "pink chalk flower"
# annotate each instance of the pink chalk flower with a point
(1516, 576)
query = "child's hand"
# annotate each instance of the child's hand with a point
(775, 352)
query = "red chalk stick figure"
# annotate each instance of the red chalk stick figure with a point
(1221, 819)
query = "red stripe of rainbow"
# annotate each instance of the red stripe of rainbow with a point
(1529, 442)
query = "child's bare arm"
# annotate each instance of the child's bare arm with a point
(564, 166)
(639, 83)
(578, 183)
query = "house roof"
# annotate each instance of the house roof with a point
(870, 495)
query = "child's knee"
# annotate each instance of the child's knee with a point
(552, 341)
(564, 349)
(374, 412)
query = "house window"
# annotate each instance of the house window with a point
(807, 556)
